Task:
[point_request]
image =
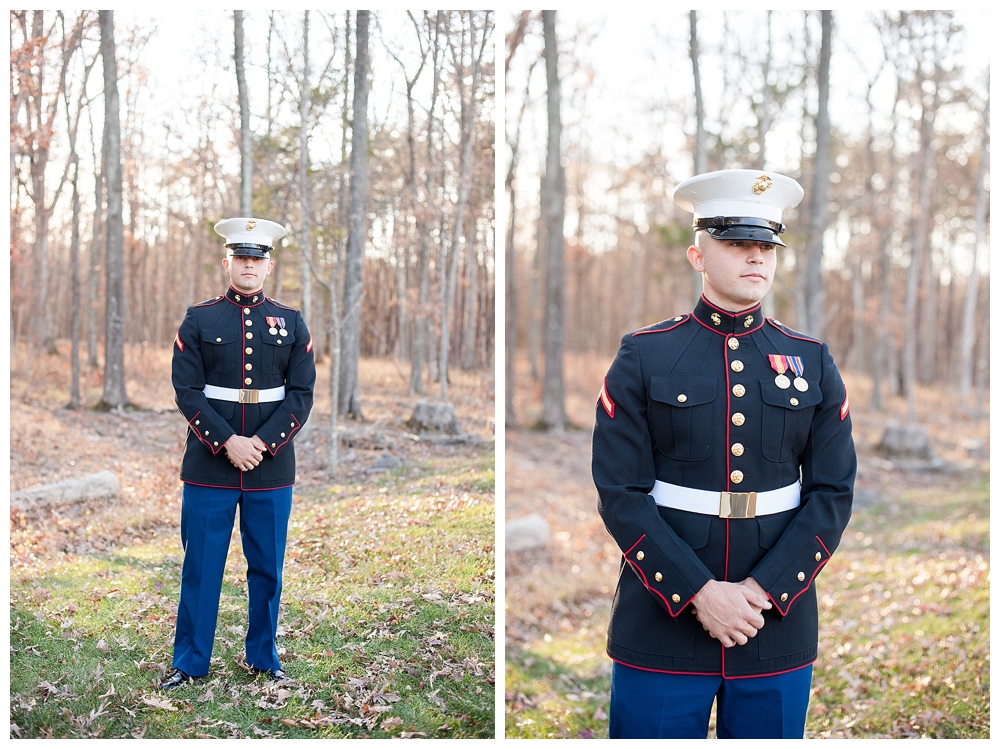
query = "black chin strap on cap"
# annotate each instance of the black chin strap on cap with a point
(741, 227)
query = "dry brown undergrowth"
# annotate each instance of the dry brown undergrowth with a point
(50, 443)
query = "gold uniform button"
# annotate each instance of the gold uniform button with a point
(218, 340)
(293, 423)
(248, 322)
(675, 598)
(739, 391)
(736, 366)
(819, 556)
(737, 449)
(682, 398)
(248, 381)
(736, 477)
(784, 596)
(206, 432)
(198, 423)
(640, 556)
(249, 366)
(272, 444)
(794, 401)
(249, 334)
(739, 419)
(216, 444)
(658, 577)
(246, 310)
(282, 434)
(733, 343)
(801, 576)
(248, 350)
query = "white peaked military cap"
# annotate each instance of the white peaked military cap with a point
(249, 237)
(739, 203)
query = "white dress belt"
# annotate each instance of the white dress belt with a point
(726, 504)
(237, 395)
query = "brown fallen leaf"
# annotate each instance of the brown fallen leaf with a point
(162, 704)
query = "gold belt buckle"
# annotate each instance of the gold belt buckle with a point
(249, 396)
(737, 504)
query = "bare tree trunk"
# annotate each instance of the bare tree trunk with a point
(74, 262)
(305, 242)
(349, 395)
(422, 322)
(968, 326)
(535, 292)
(114, 342)
(465, 161)
(818, 205)
(553, 397)
(919, 230)
(471, 302)
(700, 158)
(246, 144)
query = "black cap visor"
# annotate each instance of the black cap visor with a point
(730, 228)
(747, 233)
(244, 249)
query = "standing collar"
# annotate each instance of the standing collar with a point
(246, 300)
(728, 323)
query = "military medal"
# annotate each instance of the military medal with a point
(275, 323)
(795, 364)
(779, 364)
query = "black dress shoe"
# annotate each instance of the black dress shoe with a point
(174, 679)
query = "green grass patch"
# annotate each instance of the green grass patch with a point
(386, 626)
(904, 633)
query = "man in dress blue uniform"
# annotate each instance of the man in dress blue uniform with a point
(243, 373)
(725, 467)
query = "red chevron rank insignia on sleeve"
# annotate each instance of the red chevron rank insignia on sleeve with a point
(845, 407)
(605, 399)
(178, 341)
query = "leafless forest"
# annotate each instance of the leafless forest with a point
(883, 117)
(369, 136)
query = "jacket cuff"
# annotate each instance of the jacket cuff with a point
(659, 576)
(281, 435)
(212, 435)
(797, 577)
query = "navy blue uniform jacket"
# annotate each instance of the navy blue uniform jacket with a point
(732, 419)
(227, 342)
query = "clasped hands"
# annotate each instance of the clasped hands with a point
(731, 612)
(245, 452)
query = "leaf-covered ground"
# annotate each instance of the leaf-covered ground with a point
(904, 603)
(388, 606)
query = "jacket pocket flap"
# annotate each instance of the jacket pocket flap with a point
(222, 335)
(772, 395)
(682, 391)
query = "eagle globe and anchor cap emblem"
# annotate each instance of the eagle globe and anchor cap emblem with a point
(763, 182)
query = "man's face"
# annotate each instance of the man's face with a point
(737, 273)
(247, 274)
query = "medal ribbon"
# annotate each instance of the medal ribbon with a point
(779, 363)
(795, 362)
(271, 321)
